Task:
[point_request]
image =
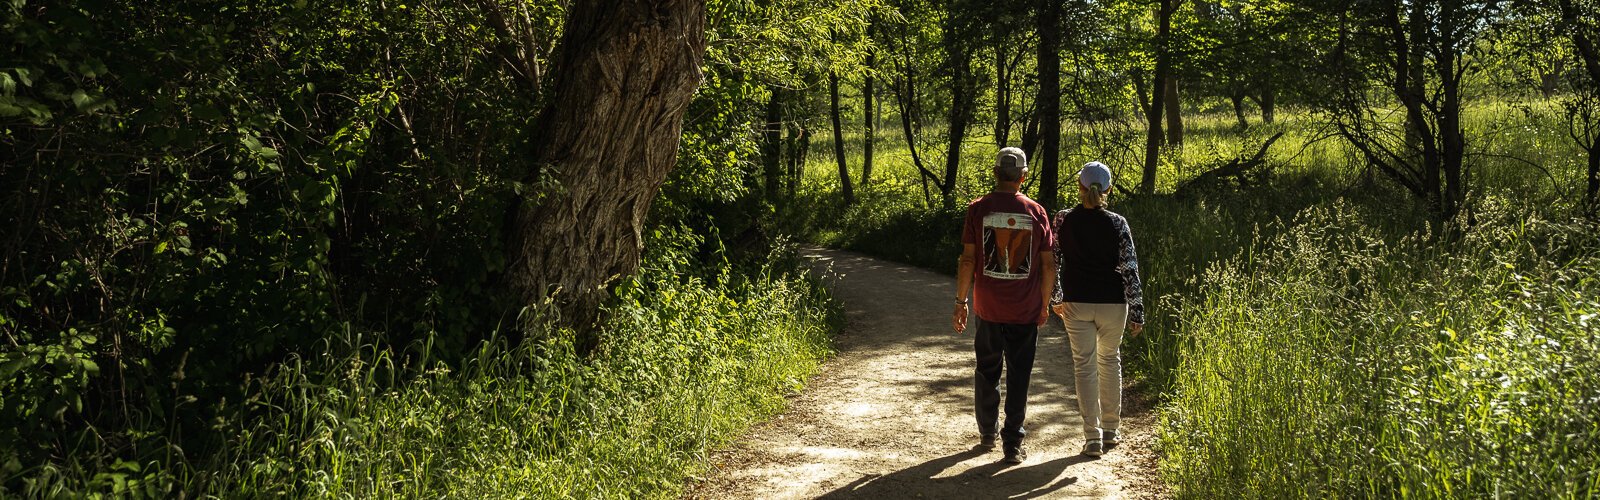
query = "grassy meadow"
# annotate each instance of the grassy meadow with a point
(1311, 332)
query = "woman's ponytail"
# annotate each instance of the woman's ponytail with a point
(1094, 195)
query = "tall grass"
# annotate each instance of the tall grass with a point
(689, 360)
(1332, 361)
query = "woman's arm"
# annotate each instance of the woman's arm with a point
(1057, 295)
(1128, 266)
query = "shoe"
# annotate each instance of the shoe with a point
(1110, 439)
(1094, 448)
(986, 442)
(1015, 455)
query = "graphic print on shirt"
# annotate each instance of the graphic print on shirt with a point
(1007, 245)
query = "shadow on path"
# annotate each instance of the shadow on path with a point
(991, 480)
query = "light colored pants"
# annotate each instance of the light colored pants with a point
(1095, 331)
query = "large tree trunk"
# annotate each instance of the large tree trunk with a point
(871, 126)
(1174, 113)
(622, 78)
(838, 140)
(1153, 136)
(772, 145)
(1049, 101)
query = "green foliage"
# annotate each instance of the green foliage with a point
(1392, 367)
(689, 362)
(309, 197)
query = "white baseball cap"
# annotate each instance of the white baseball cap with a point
(1095, 174)
(1013, 161)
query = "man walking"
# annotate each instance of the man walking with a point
(1006, 237)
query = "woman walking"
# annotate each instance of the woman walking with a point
(1097, 293)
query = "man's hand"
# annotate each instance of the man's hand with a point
(1044, 315)
(1134, 329)
(959, 321)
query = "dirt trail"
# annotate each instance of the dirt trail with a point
(891, 415)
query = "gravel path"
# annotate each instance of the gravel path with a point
(891, 415)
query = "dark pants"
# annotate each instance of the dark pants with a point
(999, 345)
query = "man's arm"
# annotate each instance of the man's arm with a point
(1047, 283)
(969, 259)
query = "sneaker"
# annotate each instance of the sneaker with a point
(1110, 439)
(1015, 455)
(1094, 448)
(986, 442)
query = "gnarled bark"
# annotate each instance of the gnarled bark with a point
(622, 78)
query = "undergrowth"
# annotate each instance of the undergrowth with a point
(690, 359)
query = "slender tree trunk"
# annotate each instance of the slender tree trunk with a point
(1174, 113)
(1030, 134)
(1237, 98)
(1002, 95)
(1269, 100)
(1153, 136)
(960, 118)
(1549, 81)
(870, 124)
(905, 98)
(1049, 101)
(838, 140)
(1141, 98)
(1454, 148)
(1592, 195)
(772, 145)
(799, 145)
(962, 97)
(621, 80)
(1584, 40)
(795, 158)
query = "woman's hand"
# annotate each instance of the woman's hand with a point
(959, 320)
(1134, 329)
(1060, 310)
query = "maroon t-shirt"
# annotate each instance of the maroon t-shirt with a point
(1010, 231)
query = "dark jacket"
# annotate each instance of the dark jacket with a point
(1095, 260)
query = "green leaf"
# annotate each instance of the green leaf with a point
(8, 108)
(12, 367)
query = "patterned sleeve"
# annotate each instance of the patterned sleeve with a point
(1128, 265)
(1055, 226)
